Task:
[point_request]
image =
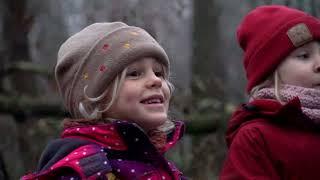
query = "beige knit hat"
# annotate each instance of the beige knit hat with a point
(94, 56)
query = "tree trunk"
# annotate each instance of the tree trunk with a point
(207, 63)
(3, 172)
(16, 26)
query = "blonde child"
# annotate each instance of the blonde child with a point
(114, 82)
(276, 134)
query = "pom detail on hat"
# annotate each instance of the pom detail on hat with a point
(134, 33)
(102, 68)
(105, 46)
(127, 45)
(85, 76)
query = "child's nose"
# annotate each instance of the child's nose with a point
(153, 81)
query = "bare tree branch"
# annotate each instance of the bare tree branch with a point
(21, 106)
(23, 66)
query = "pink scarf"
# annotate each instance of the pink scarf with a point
(309, 98)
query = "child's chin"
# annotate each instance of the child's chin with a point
(316, 87)
(155, 123)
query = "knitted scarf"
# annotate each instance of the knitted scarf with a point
(309, 98)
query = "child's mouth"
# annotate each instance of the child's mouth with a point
(154, 99)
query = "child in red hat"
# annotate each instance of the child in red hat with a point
(276, 135)
(114, 81)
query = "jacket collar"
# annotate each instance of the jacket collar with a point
(288, 115)
(121, 135)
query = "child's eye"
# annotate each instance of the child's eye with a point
(303, 56)
(134, 74)
(159, 74)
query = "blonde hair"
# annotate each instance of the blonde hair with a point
(273, 80)
(115, 86)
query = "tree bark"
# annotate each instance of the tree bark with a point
(17, 24)
(3, 172)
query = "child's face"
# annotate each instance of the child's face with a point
(144, 95)
(302, 66)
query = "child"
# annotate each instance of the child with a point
(276, 134)
(114, 82)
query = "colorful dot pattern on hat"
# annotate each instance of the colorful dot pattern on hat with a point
(85, 76)
(102, 68)
(105, 47)
(127, 45)
(134, 33)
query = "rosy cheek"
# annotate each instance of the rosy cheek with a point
(300, 80)
(130, 98)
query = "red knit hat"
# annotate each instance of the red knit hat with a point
(268, 34)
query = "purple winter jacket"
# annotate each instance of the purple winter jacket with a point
(119, 150)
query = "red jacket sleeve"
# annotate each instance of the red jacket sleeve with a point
(248, 157)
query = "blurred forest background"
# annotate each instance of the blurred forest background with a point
(198, 35)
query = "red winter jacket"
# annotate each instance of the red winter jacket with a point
(267, 140)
